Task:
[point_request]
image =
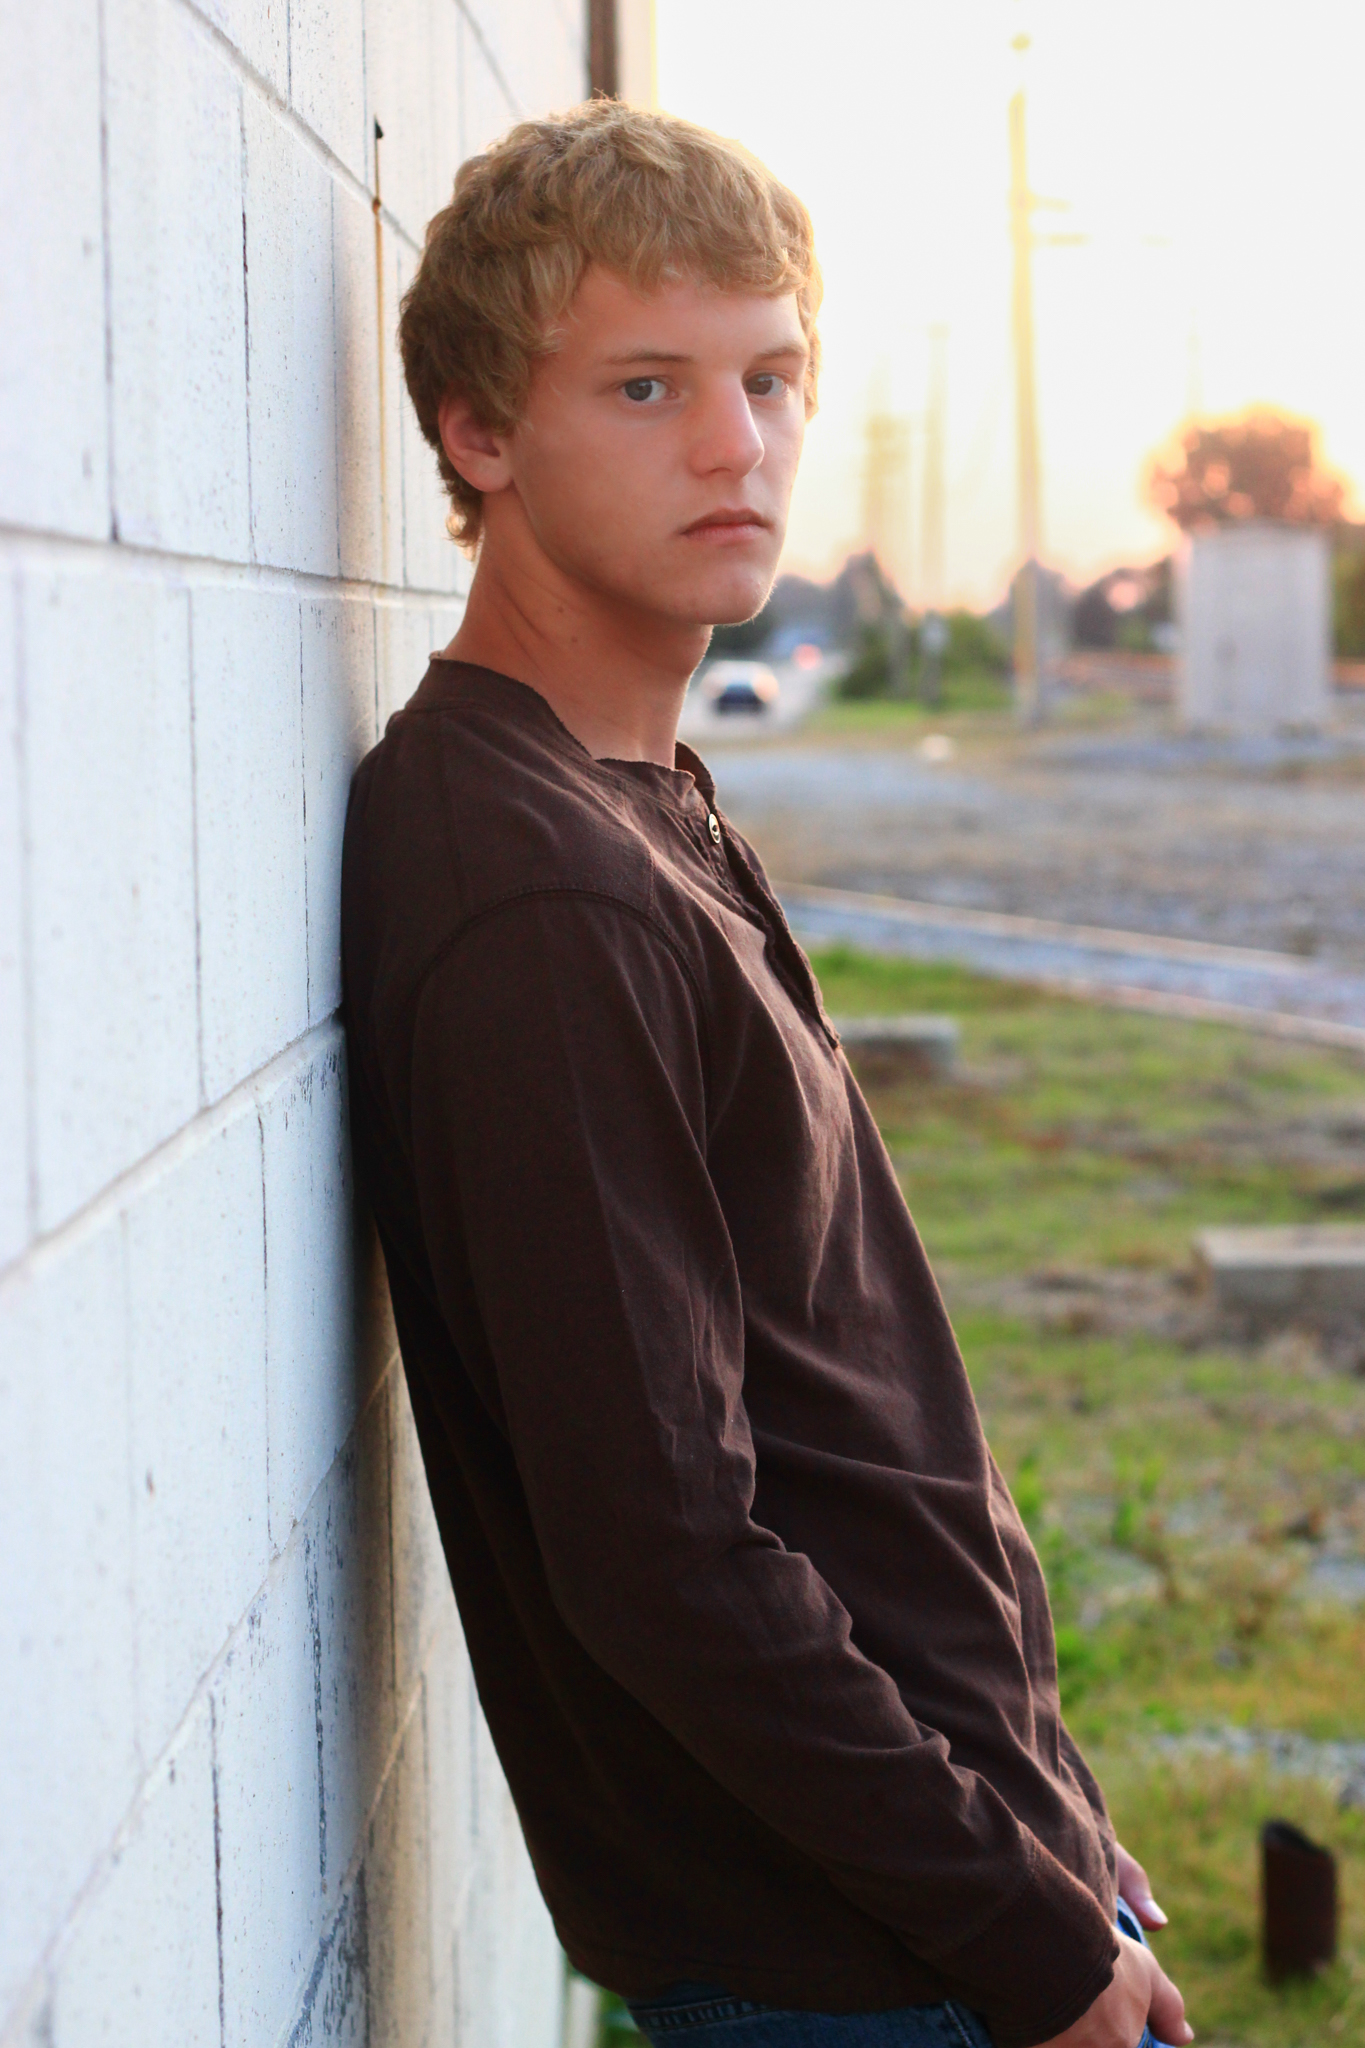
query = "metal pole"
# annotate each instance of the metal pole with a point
(933, 631)
(1026, 419)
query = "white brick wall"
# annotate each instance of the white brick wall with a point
(248, 1796)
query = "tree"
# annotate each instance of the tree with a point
(1258, 466)
(1348, 591)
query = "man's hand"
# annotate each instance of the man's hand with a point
(1139, 1995)
(1135, 1889)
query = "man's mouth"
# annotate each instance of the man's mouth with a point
(732, 522)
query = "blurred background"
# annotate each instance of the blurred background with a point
(1053, 737)
(1201, 167)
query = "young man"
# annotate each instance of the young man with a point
(759, 1635)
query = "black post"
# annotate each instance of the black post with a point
(1298, 1902)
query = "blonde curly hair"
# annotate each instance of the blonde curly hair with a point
(646, 195)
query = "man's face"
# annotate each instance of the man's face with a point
(656, 458)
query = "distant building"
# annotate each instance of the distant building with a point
(1255, 605)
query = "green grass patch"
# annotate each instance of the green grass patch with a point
(969, 697)
(1181, 1486)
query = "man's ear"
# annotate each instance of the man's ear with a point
(476, 451)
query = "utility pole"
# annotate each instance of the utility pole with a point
(886, 485)
(886, 506)
(932, 515)
(933, 634)
(1026, 418)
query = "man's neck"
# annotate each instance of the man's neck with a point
(616, 678)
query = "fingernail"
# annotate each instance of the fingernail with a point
(1150, 1905)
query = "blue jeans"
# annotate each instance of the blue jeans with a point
(704, 2016)
(701, 2016)
(695, 2016)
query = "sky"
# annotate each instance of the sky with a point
(1209, 150)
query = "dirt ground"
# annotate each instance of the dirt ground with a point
(1107, 817)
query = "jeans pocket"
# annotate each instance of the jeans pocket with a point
(676, 2022)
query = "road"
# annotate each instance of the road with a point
(1223, 873)
(799, 690)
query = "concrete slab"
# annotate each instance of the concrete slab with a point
(1311, 1269)
(887, 1047)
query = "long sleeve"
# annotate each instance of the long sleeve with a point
(560, 1092)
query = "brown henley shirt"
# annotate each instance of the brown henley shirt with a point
(761, 1641)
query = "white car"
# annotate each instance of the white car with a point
(746, 687)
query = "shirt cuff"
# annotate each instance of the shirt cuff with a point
(1040, 1963)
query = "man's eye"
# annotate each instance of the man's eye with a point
(645, 390)
(767, 385)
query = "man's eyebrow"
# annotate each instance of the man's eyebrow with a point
(795, 347)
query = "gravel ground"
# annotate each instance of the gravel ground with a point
(1136, 827)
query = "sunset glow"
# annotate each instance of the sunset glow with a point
(1209, 153)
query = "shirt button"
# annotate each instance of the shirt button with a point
(713, 826)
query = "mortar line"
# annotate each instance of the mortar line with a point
(45, 549)
(246, 327)
(27, 949)
(247, 74)
(126, 1187)
(194, 848)
(303, 778)
(476, 31)
(203, 1692)
(111, 500)
(218, 1871)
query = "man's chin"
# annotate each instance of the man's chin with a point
(734, 600)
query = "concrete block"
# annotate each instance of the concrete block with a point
(422, 1596)
(14, 1150)
(582, 2013)
(391, 499)
(176, 284)
(346, 1534)
(400, 86)
(359, 470)
(431, 560)
(404, 646)
(290, 343)
(54, 431)
(196, 1289)
(538, 51)
(327, 77)
(338, 671)
(486, 110)
(259, 30)
(378, 1340)
(448, 1687)
(886, 1049)
(526, 1973)
(447, 147)
(399, 1906)
(335, 2009)
(312, 1369)
(248, 745)
(269, 1804)
(445, 624)
(115, 1036)
(1313, 1270)
(29, 2025)
(142, 1962)
(485, 1966)
(67, 1701)
(443, 2029)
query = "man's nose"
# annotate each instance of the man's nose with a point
(727, 437)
